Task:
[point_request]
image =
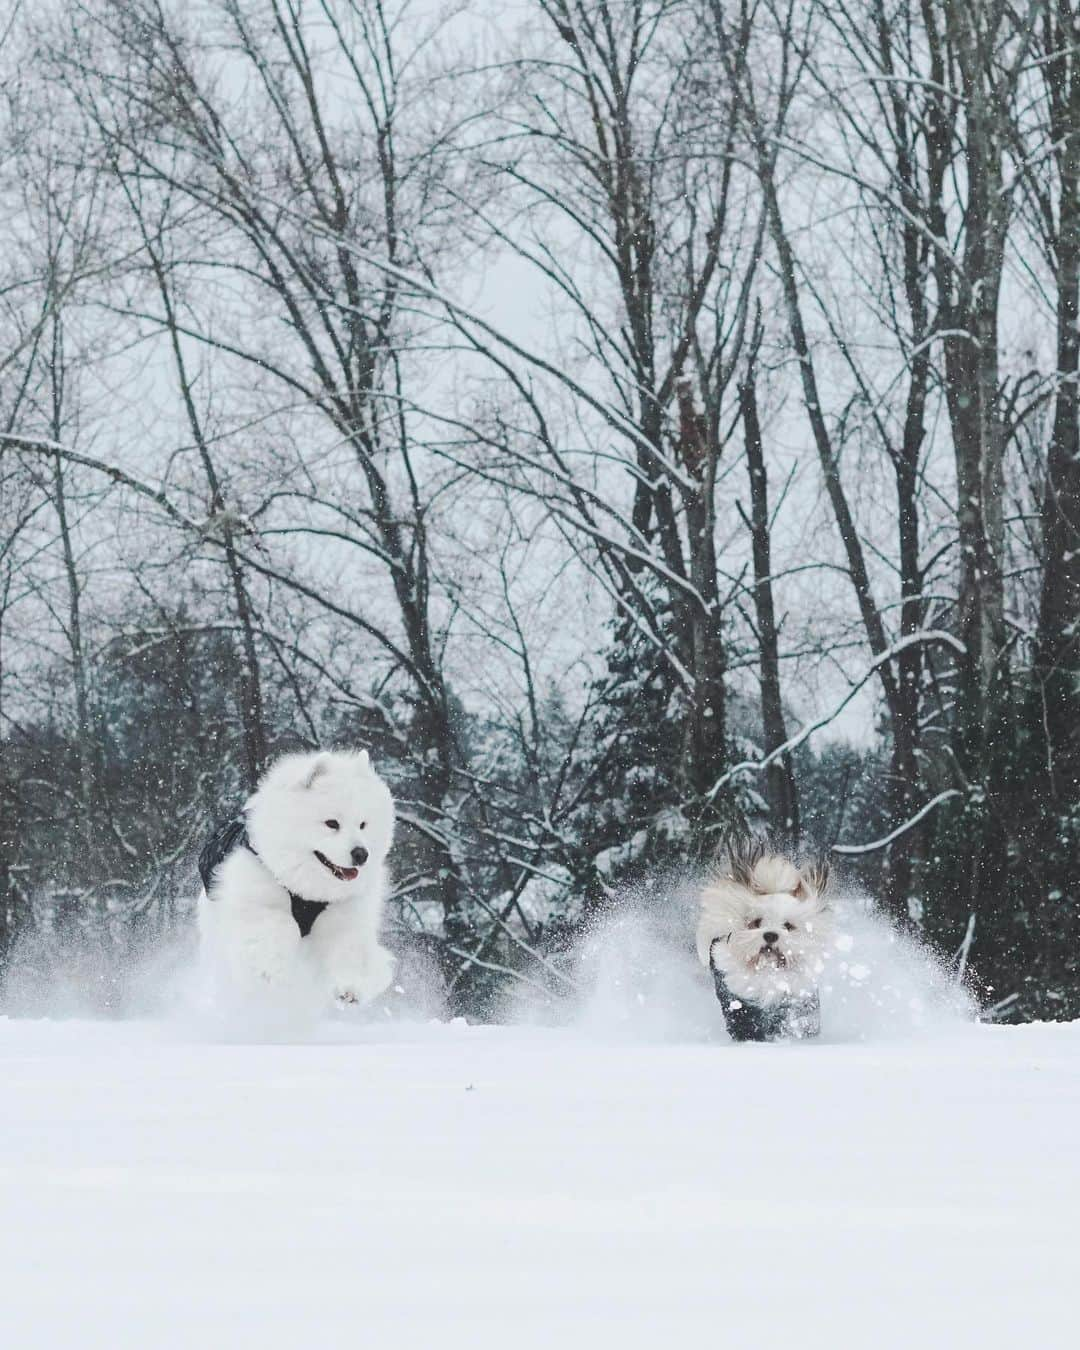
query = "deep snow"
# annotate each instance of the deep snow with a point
(444, 1185)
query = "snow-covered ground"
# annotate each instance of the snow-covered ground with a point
(444, 1185)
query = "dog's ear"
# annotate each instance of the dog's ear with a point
(743, 856)
(319, 765)
(814, 878)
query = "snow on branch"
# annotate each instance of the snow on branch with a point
(39, 445)
(900, 829)
(793, 742)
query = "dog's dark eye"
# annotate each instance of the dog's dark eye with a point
(754, 923)
(790, 927)
(363, 824)
(332, 824)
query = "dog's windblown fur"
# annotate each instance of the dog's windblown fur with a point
(763, 923)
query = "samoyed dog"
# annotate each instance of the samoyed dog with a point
(293, 891)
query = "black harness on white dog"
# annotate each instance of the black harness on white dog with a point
(225, 840)
(793, 1017)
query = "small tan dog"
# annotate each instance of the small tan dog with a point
(762, 929)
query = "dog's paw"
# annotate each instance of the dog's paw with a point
(354, 992)
(366, 983)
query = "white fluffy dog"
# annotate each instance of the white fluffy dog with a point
(294, 892)
(763, 925)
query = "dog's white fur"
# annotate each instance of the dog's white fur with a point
(763, 893)
(246, 926)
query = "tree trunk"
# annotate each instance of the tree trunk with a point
(85, 743)
(1057, 659)
(969, 317)
(249, 685)
(780, 775)
(706, 740)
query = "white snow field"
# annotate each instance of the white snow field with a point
(444, 1185)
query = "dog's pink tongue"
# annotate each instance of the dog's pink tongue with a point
(349, 873)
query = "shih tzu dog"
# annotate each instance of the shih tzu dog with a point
(762, 928)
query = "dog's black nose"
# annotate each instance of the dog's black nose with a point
(770, 938)
(359, 857)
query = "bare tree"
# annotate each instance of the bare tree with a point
(220, 519)
(606, 146)
(276, 191)
(1057, 212)
(780, 774)
(765, 121)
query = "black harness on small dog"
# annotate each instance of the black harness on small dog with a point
(225, 840)
(795, 1017)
